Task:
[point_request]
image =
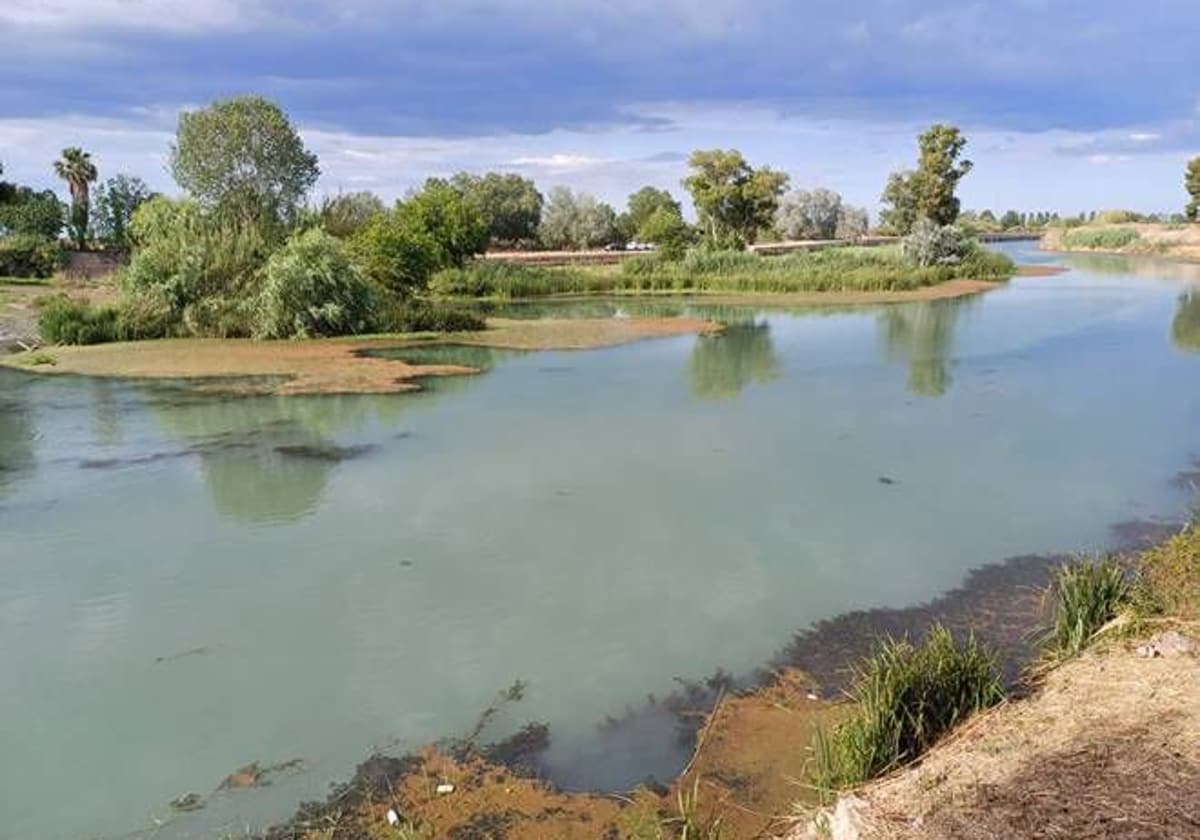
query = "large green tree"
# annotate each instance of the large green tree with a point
(577, 220)
(929, 191)
(77, 169)
(244, 157)
(455, 223)
(116, 201)
(1192, 183)
(510, 204)
(345, 214)
(642, 205)
(735, 202)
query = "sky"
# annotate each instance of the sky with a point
(1066, 105)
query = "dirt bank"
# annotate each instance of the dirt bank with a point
(1177, 242)
(333, 365)
(1107, 746)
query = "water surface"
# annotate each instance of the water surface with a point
(190, 583)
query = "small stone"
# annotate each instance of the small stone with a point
(392, 817)
(445, 788)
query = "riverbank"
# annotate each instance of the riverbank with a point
(1104, 745)
(1168, 241)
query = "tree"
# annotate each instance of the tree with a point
(577, 220)
(395, 252)
(642, 205)
(1010, 219)
(734, 201)
(666, 228)
(805, 214)
(1192, 183)
(116, 201)
(928, 192)
(345, 214)
(455, 224)
(510, 204)
(76, 168)
(243, 157)
(37, 213)
(853, 223)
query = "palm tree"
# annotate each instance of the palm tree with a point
(76, 168)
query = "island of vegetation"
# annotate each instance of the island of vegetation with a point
(242, 257)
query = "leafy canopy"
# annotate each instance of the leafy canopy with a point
(511, 205)
(117, 199)
(929, 191)
(1192, 183)
(243, 157)
(734, 201)
(577, 220)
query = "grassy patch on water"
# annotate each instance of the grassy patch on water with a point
(834, 270)
(906, 696)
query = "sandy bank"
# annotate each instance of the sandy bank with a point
(1174, 242)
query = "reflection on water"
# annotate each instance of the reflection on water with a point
(1185, 328)
(723, 364)
(923, 335)
(17, 432)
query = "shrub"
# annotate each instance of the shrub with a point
(1103, 239)
(37, 213)
(66, 321)
(1087, 595)
(931, 244)
(421, 316)
(907, 697)
(1117, 217)
(29, 255)
(312, 288)
(396, 253)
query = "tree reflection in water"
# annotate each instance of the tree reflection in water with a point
(722, 365)
(922, 334)
(1185, 328)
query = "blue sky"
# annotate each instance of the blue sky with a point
(1067, 105)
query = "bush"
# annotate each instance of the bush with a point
(1117, 217)
(907, 697)
(1087, 595)
(37, 213)
(66, 321)
(396, 253)
(29, 255)
(1102, 239)
(411, 316)
(312, 288)
(931, 244)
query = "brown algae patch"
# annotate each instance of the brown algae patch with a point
(335, 366)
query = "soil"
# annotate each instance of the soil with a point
(1107, 746)
(1176, 242)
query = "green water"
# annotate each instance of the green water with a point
(191, 583)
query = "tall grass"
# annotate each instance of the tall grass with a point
(1086, 595)
(836, 269)
(1102, 239)
(1169, 575)
(906, 696)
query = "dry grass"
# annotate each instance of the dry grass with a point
(335, 365)
(1108, 746)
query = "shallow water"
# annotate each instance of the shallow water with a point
(191, 583)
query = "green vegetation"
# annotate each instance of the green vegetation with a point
(929, 191)
(76, 168)
(831, 270)
(242, 157)
(1101, 239)
(1191, 183)
(819, 214)
(311, 287)
(1169, 577)
(906, 696)
(117, 199)
(29, 255)
(511, 205)
(345, 214)
(577, 220)
(1087, 595)
(735, 202)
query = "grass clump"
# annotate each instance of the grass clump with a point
(906, 697)
(1101, 239)
(1087, 595)
(1169, 576)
